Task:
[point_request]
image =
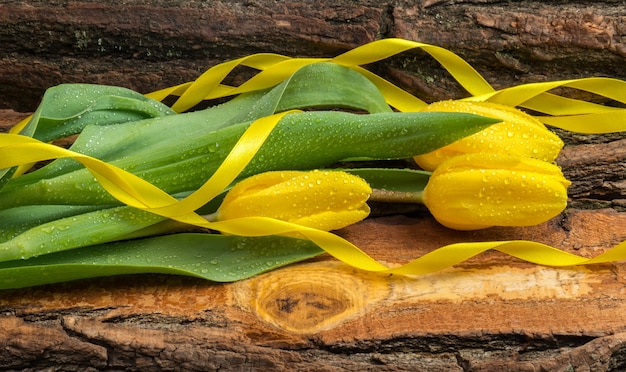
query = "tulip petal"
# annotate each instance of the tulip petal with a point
(325, 200)
(331, 220)
(518, 134)
(480, 190)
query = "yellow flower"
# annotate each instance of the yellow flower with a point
(479, 190)
(518, 134)
(319, 199)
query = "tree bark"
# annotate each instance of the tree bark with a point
(489, 313)
(147, 45)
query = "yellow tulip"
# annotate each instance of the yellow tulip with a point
(479, 190)
(320, 199)
(518, 134)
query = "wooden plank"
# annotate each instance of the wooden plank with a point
(147, 45)
(489, 313)
(506, 309)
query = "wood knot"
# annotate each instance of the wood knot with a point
(309, 299)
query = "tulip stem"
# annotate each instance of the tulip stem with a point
(210, 217)
(391, 196)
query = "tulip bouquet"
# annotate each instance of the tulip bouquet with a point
(257, 182)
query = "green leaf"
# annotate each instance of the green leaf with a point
(67, 108)
(14, 221)
(213, 257)
(301, 141)
(392, 179)
(71, 231)
(319, 85)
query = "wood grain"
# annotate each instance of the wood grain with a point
(318, 313)
(490, 313)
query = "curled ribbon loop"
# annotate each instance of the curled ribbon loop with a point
(565, 113)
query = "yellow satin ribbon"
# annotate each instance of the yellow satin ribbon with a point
(141, 194)
(566, 113)
(135, 192)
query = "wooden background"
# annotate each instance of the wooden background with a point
(490, 313)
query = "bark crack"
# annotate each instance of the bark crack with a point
(462, 362)
(81, 337)
(387, 22)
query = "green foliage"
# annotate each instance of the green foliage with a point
(57, 223)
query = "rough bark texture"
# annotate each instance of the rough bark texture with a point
(490, 313)
(146, 45)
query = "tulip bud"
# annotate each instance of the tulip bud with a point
(325, 200)
(518, 134)
(479, 190)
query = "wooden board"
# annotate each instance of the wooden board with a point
(490, 313)
(147, 45)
